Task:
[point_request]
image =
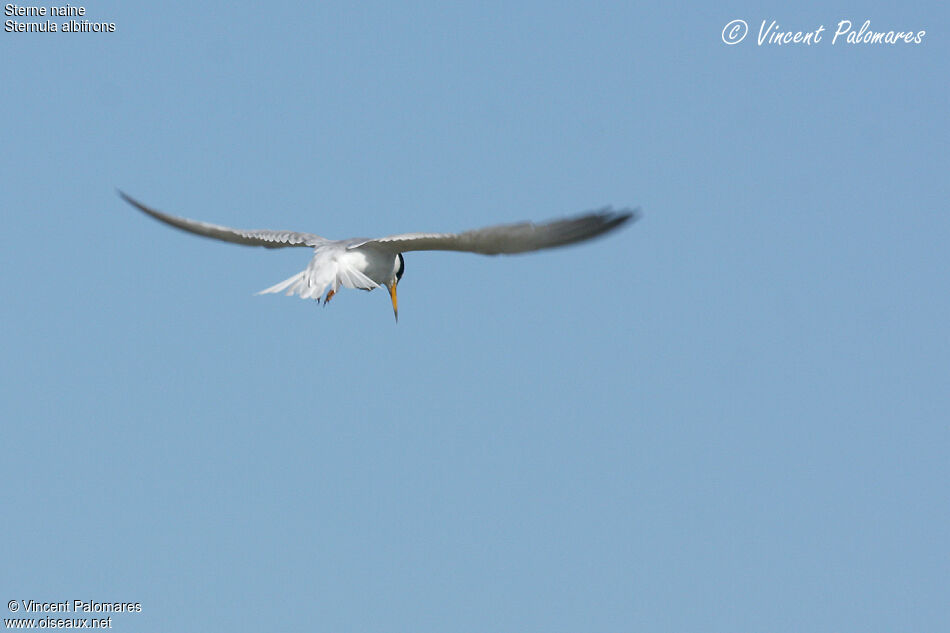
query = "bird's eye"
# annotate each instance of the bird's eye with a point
(402, 267)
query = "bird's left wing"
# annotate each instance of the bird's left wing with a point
(509, 238)
(253, 237)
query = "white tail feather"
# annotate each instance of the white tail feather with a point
(283, 285)
(326, 270)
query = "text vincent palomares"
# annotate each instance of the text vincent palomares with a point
(81, 606)
(774, 35)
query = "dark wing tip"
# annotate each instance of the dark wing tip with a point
(135, 203)
(620, 216)
(590, 225)
(608, 219)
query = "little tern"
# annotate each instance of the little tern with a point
(368, 263)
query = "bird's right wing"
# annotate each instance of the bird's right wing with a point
(253, 237)
(509, 238)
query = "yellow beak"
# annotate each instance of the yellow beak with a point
(392, 294)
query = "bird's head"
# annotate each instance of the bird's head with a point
(399, 267)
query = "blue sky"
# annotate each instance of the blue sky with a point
(730, 416)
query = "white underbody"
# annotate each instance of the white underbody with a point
(334, 265)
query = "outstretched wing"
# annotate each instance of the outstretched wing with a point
(253, 237)
(510, 238)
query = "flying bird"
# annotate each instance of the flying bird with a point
(367, 263)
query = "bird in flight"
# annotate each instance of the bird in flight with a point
(367, 263)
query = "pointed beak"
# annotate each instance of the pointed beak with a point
(392, 294)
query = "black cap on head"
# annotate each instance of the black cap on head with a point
(402, 267)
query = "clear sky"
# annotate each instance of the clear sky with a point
(730, 416)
